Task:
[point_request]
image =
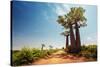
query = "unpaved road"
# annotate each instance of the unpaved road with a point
(60, 57)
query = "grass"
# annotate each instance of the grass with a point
(89, 51)
(29, 55)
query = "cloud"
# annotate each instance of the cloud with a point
(91, 39)
(59, 9)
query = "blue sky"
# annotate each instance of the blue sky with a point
(35, 23)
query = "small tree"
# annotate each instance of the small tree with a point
(43, 45)
(66, 34)
(50, 46)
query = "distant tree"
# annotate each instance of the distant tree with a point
(62, 47)
(43, 45)
(66, 34)
(50, 46)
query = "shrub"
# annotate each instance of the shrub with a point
(15, 59)
(23, 57)
(89, 51)
(27, 55)
(39, 53)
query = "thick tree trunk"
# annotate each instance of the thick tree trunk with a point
(72, 41)
(67, 41)
(78, 42)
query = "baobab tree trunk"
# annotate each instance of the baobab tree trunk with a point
(67, 41)
(72, 48)
(78, 42)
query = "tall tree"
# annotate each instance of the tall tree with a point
(73, 19)
(66, 34)
(79, 21)
(67, 22)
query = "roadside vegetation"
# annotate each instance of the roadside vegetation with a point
(26, 56)
(29, 55)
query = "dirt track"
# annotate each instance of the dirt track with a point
(60, 57)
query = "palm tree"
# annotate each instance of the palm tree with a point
(79, 21)
(66, 34)
(43, 45)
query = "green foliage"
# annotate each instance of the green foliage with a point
(89, 51)
(29, 55)
(15, 59)
(24, 56)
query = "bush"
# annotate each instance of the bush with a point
(27, 55)
(39, 53)
(15, 59)
(89, 51)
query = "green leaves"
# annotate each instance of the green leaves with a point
(60, 19)
(26, 56)
(89, 51)
(76, 14)
(65, 33)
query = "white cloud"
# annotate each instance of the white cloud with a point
(66, 7)
(58, 9)
(61, 9)
(91, 39)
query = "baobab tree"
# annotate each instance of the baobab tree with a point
(43, 45)
(77, 15)
(67, 22)
(73, 19)
(66, 34)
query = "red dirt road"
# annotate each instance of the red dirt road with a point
(59, 58)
